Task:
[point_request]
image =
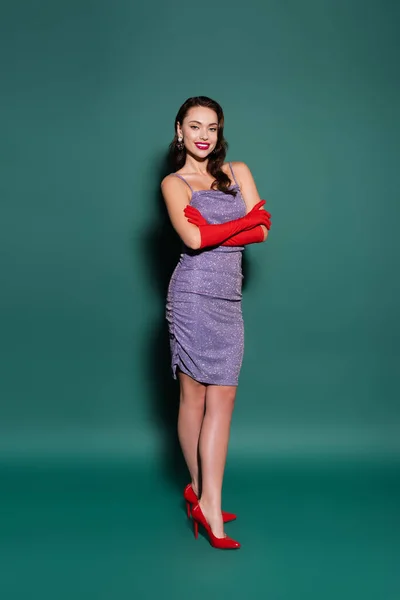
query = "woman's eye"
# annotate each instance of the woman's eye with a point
(194, 127)
(213, 129)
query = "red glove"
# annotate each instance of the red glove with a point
(214, 235)
(252, 236)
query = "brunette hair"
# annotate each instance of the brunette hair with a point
(216, 158)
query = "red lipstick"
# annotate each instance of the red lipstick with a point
(202, 146)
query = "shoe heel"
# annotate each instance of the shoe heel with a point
(196, 529)
(188, 509)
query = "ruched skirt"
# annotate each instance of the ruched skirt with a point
(204, 314)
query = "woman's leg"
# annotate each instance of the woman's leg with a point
(213, 446)
(190, 419)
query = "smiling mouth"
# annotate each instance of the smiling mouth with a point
(202, 146)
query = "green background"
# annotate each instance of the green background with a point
(310, 91)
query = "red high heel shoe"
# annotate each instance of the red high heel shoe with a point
(225, 543)
(192, 499)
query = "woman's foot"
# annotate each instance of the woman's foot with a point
(192, 498)
(195, 488)
(214, 518)
(223, 543)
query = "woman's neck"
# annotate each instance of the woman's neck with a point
(198, 166)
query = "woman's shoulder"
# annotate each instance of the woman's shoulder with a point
(240, 169)
(236, 164)
(173, 186)
(171, 178)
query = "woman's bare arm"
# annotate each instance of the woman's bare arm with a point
(176, 196)
(248, 188)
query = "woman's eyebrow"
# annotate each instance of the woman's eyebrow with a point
(199, 122)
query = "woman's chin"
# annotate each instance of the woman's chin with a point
(199, 154)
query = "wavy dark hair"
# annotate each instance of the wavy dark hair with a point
(216, 158)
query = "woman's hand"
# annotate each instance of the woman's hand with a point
(194, 216)
(258, 215)
(265, 228)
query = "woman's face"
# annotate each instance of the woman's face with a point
(199, 131)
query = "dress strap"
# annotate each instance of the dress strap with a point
(183, 179)
(233, 174)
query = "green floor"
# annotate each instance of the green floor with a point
(118, 531)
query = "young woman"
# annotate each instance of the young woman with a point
(216, 210)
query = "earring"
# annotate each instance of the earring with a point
(180, 145)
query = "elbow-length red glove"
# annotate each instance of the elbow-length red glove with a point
(250, 236)
(214, 235)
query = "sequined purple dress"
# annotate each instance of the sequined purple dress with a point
(204, 302)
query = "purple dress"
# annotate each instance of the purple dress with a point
(204, 302)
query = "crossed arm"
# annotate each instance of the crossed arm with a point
(194, 230)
